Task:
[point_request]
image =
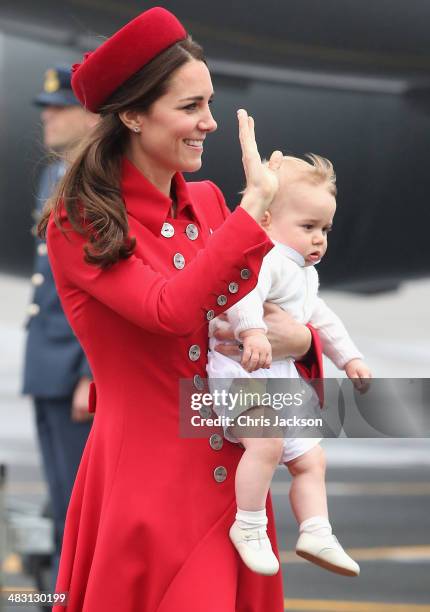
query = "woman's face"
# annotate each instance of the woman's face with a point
(175, 127)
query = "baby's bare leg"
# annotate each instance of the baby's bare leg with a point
(256, 467)
(308, 499)
(308, 496)
(255, 471)
(253, 477)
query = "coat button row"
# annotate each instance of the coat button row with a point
(33, 310)
(194, 352)
(222, 299)
(245, 274)
(178, 261)
(216, 442)
(37, 279)
(42, 248)
(191, 231)
(220, 473)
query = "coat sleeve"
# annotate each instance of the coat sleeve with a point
(178, 305)
(335, 340)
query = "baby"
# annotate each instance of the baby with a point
(298, 223)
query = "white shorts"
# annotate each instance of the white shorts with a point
(222, 371)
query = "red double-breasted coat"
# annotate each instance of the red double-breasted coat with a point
(147, 526)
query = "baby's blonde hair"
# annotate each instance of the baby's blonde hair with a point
(315, 169)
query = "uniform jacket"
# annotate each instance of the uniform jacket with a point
(286, 281)
(54, 359)
(147, 526)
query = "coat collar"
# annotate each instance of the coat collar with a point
(146, 203)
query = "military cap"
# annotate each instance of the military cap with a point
(57, 89)
(102, 71)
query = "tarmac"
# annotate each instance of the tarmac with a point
(379, 489)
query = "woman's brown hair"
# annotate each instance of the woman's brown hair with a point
(90, 191)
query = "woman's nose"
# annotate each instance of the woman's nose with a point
(208, 123)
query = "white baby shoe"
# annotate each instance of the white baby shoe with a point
(253, 545)
(326, 552)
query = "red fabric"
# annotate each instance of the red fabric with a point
(147, 525)
(102, 71)
(311, 366)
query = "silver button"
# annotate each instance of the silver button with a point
(194, 352)
(233, 287)
(205, 412)
(167, 230)
(42, 248)
(210, 315)
(245, 274)
(191, 231)
(179, 261)
(37, 279)
(198, 382)
(216, 442)
(220, 473)
(33, 310)
(221, 300)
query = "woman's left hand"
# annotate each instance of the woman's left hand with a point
(287, 336)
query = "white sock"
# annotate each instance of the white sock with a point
(250, 519)
(253, 519)
(317, 525)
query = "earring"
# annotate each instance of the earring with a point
(136, 129)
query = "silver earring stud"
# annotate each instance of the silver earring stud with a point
(137, 129)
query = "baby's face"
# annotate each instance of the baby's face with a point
(304, 220)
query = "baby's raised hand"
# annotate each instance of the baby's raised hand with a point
(257, 351)
(359, 373)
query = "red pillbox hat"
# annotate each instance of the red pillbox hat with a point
(102, 71)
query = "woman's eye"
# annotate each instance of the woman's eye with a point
(191, 106)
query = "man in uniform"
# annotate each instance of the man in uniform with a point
(56, 372)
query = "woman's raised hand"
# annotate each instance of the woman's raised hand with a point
(261, 180)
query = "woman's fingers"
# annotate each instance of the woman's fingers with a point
(229, 350)
(250, 155)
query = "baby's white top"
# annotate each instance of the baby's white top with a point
(285, 280)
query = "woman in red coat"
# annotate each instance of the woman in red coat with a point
(142, 260)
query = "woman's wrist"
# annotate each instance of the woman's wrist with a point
(294, 341)
(255, 202)
(303, 342)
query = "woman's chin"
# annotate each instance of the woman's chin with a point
(192, 166)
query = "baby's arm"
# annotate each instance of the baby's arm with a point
(246, 318)
(338, 345)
